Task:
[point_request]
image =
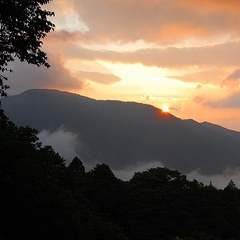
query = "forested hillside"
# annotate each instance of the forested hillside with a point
(125, 134)
(42, 198)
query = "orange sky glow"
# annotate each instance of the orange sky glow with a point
(180, 55)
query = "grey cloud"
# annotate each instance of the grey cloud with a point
(127, 174)
(232, 81)
(28, 76)
(218, 180)
(66, 143)
(232, 101)
(65, 36)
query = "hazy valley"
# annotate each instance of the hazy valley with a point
(127, 136)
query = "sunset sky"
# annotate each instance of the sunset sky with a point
(181, 55)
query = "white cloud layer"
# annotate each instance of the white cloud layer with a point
(68, 145)
(64, 142)
(218, 180)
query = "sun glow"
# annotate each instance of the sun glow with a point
(165, 108)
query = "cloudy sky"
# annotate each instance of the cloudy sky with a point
(180, 55)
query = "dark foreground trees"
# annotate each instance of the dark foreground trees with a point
(42, 198)
(36, 201)
(23, 25)
(166, 204)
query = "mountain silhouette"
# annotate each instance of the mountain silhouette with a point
(124, 134)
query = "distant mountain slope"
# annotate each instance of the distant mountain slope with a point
(122, 134)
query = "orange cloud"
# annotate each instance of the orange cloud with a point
(210, 56)
(232, 81)
(157, 21)
(212, 75)
(101, 78)
(211, 5)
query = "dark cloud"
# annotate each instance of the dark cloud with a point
(28, 76)
(66, 37)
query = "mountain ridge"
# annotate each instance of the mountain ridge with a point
(124, 134)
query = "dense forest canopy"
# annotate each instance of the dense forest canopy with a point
(42, 198)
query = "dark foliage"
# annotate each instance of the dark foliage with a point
(23, 25)
(41, 198)
(36, 200)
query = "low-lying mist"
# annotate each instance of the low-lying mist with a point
(69, 145)
(64, 142)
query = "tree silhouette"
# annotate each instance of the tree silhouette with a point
(23, 24)
(36, 201)
(76, 166)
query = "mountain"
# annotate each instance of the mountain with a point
(124, 134)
